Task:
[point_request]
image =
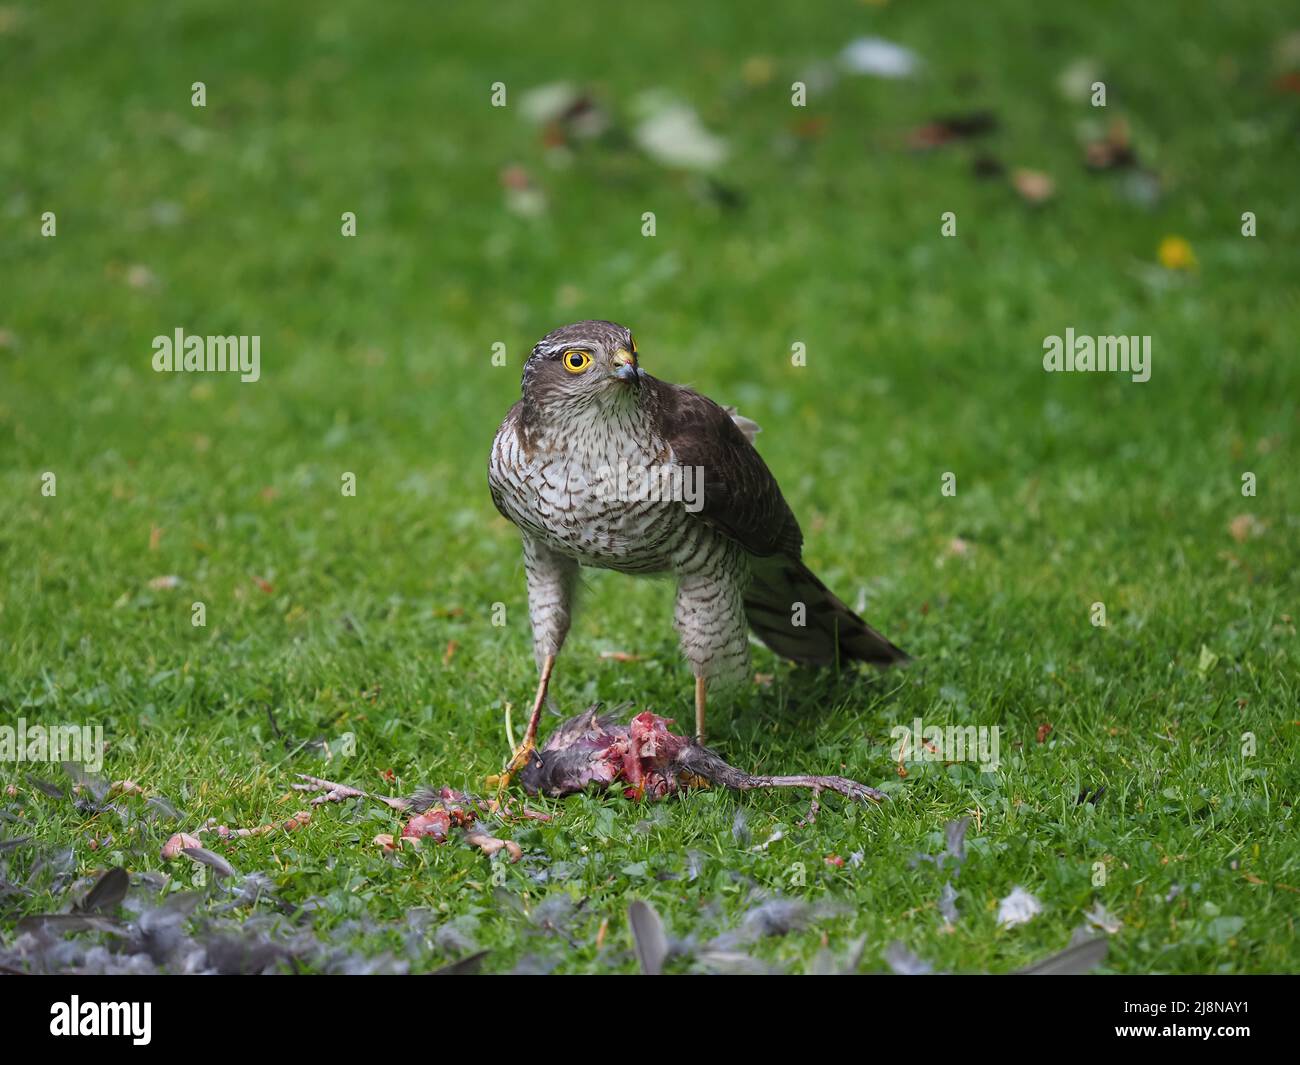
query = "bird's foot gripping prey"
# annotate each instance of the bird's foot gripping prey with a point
(599, 464)
(524, 752)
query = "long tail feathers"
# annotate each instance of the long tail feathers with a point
(830, 632)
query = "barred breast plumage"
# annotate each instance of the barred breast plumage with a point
(555, 484)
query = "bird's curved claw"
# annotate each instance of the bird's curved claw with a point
(522, 756)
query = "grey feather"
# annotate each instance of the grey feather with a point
(218, 864)
(649, 936)
(109, 890)
(1079, 958)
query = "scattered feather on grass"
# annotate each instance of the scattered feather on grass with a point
(214, 861)
(107, 894)
(1019, 907)
(903, 962)
(648, 936)
(1077, 958)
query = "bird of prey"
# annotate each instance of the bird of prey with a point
(600, 464)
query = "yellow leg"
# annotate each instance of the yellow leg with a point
(699, 709)
(525, 750)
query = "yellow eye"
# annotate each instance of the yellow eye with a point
(576, 361)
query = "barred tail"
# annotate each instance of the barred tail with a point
(830, 631)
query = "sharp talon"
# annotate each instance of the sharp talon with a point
(523, 754)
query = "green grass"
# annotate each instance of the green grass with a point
(923, 357)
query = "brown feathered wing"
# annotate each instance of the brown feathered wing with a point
(743, 500)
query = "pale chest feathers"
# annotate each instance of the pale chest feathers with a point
(603, 490)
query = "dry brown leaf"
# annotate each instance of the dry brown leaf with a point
(1033, 185)
(1245, 526)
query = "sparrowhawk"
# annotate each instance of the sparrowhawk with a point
(600, 464)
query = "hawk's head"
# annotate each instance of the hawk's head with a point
(582, 364)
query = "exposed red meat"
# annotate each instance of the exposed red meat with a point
(648, 761)
(642, 757)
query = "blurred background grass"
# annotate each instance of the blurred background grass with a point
(822, 227)
(923, 353)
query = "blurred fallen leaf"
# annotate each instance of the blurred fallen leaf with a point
(757, 70)
(565, 112)
(987, 166)
(1033, 185)
(1114, 151)
(811, 128)
(522, 196)
(879, 58)
(547, 103)
(1245, 527)
(954, 548)
(952, 128)
(140, 276)
(671, 133)
(1077, 78)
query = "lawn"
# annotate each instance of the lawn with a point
(1148, 765)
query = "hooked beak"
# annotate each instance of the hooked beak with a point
(625, 368)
